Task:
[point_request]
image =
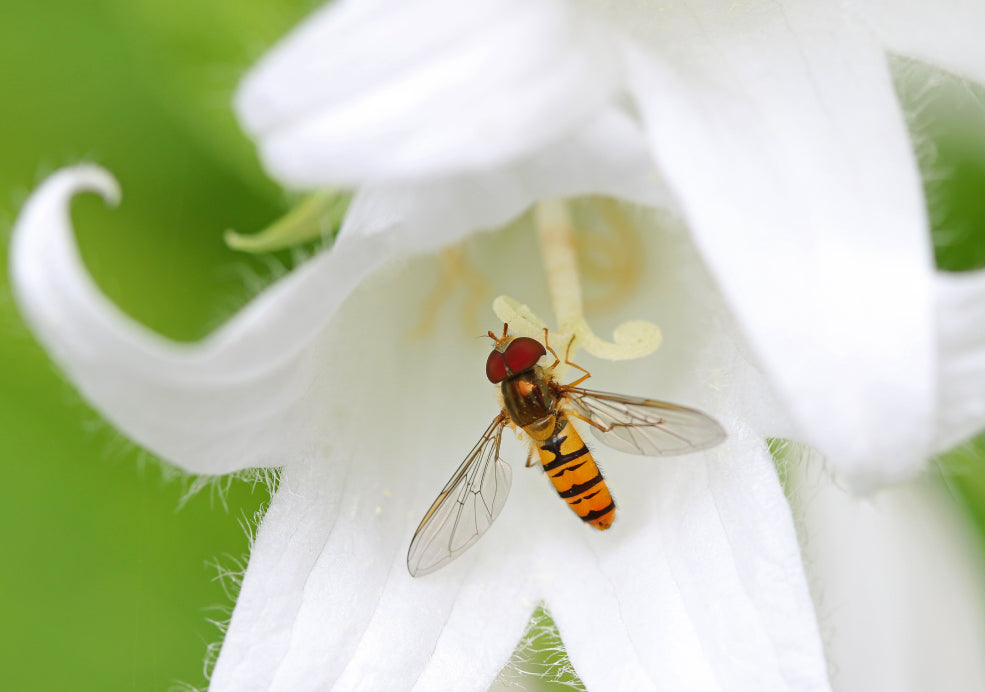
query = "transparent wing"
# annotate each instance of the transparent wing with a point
(645, 426)
(465, 508)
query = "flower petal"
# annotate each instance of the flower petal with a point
(704, 561)
(945, 33)
(706, 581)
(491, 610)
(716, 584)
(606, 156)
(327, 596)
(777, 126)
(327, 600)
(961, 350)
(379, 89)
(897, 581)
(241, 398)
(592, 624)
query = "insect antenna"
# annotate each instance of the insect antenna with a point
(497, 339)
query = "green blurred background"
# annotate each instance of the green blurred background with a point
(107, 576)
(106, 583)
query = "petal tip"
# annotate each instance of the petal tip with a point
(46, 210)
(88, 177)
(53, 197)
(84, 177)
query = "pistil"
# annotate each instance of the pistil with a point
(630, 340)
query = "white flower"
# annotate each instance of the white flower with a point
(703, 588)
(778, 137)
(368, 426)
(774, 125)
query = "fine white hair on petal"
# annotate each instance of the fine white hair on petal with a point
(236, 400)
(383, 89)
(945, 33)
(960, 303)
(777, 127)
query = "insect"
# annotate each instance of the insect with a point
(534, 401)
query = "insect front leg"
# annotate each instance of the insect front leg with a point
(547, 345)
(567, 361)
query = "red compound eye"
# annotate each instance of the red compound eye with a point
(496, 367)
(523, 353)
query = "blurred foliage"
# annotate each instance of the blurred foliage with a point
(946, 116)
(107, 584)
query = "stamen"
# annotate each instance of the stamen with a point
(630, 340)
(455, 269)
(317, 216)
(614, 259)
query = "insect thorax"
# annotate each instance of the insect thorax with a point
(529, 401)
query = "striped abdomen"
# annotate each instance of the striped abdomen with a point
(572, 470)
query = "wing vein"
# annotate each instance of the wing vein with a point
(465, 508)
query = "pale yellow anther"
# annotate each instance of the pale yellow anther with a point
(522, 320)
(630, 340)
(455, 269)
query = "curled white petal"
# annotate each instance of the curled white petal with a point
(241, 398)
(800, 188)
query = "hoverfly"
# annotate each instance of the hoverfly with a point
(535, 402)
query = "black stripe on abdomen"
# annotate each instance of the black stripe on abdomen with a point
(599, 513)
(581, 487)
(553, 445)
(584, 499)
(570, 469)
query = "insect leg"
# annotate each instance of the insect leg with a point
(547, 345)
(595, 424)
(531, 456)
(574, 365)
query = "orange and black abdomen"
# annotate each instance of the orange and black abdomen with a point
(575, 475)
